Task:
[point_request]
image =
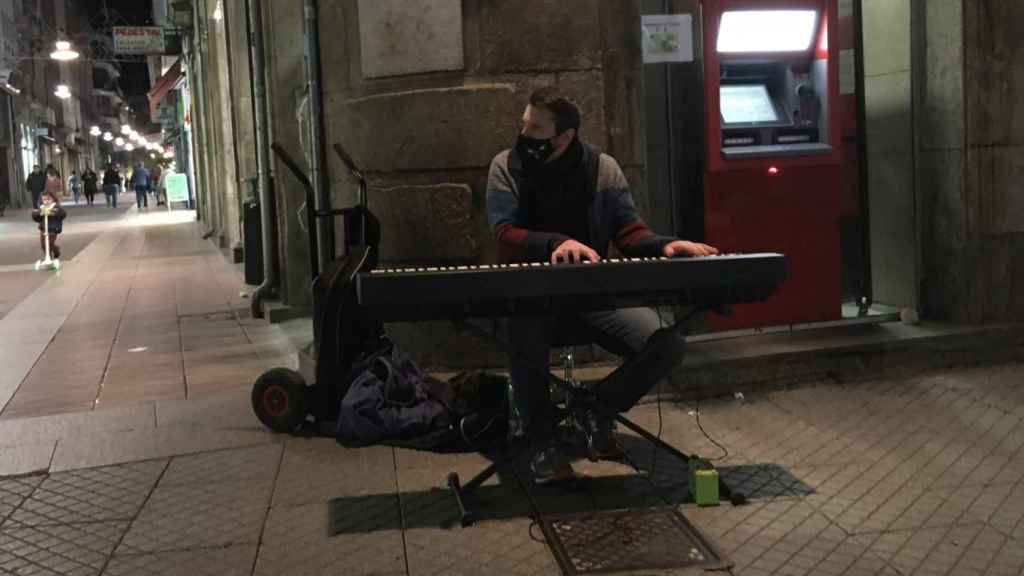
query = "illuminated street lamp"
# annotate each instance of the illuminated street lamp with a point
(62, 92)
(64, 52)
(119, 141)
(129, 147)
(95, 131)
(107, 136)
(126, 129)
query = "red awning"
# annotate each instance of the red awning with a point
(165, 84)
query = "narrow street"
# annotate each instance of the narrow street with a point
(473, 288)
(128, 446)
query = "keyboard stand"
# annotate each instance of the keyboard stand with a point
(461, 491)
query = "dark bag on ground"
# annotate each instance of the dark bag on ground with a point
(391, 400)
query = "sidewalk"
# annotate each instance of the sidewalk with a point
(127, 446)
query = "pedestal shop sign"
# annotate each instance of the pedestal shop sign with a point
(177, 188)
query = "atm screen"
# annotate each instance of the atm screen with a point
(745, 104)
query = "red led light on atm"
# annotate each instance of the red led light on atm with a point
(773, 170)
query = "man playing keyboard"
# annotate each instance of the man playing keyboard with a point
(555, 198)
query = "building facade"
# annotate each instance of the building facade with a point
(423, 124)
(40, 127)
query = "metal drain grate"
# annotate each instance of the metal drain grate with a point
(624, 540)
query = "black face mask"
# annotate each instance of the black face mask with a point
(534, 151)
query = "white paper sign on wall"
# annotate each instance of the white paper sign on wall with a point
(667, 38)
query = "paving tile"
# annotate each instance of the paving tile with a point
(26, 459)
(70, 549)
(198, 515)
(255, 464)
(356, 536)
(784, 537)
(999, 506)
(958, 549)
(318, 469)
(20, 430)
(14, 491)
(490, 547)
(111, 448)
(427, 502)
(229, 409)
(90, 495)
(230, 561)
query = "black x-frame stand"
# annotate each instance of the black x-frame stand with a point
(460, 491)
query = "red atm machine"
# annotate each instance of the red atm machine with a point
(772, 165)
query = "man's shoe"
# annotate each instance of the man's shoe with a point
(550, 466)
(599, 431)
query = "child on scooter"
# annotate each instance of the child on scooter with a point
(49, 207)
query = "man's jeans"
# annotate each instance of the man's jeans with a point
(36, 195)
(141, 196)
(623, 332)
(110, 191)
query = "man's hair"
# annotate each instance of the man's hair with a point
(567, 114)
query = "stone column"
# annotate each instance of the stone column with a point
(969, 131)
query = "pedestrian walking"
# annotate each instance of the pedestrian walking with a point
(35, 184)
(75, 185)
(111, 185)
(89, 185)
(140, 182)
(155, 184)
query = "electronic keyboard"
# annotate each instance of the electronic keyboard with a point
(535, 288)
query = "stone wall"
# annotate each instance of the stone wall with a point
(971, 167)
(992, 206)
(424, 124)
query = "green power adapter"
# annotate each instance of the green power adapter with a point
(703, 482)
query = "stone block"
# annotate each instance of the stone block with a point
(536, 35)
(942, 95)
(997, 178)
(396, 40)
(893, 252)
(888, 110)
(994, 48)
(887, 50)
(587, 89)
(432, 129)
(426, 223)
(944, 232)
(339, 43)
